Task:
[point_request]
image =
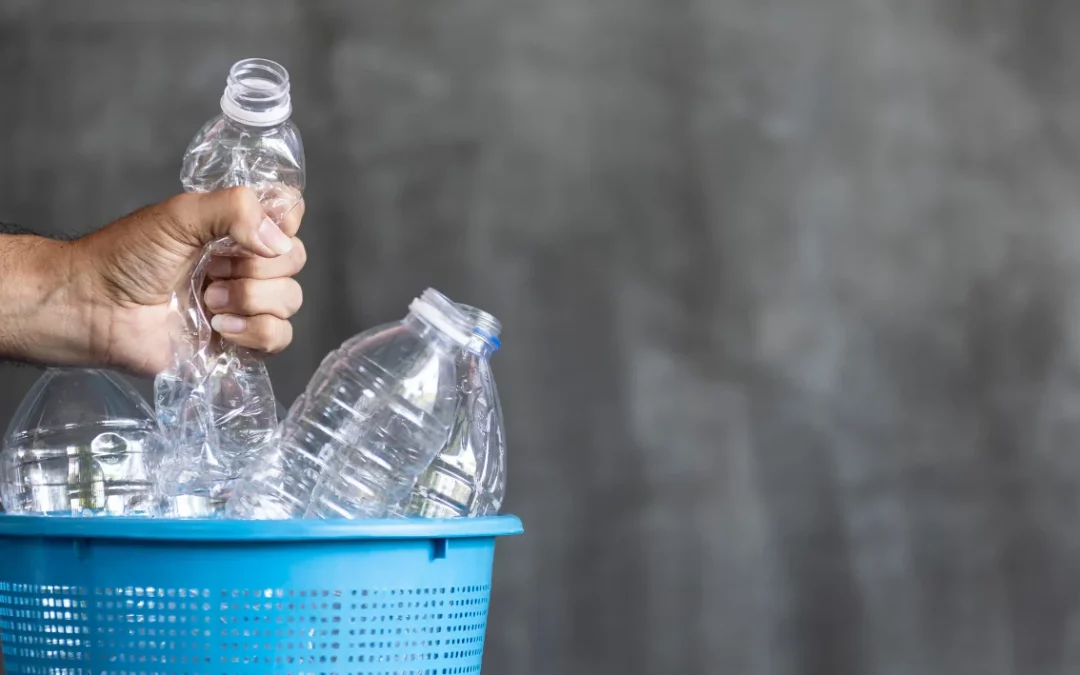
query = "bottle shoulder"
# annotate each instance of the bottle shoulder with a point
(226, 154)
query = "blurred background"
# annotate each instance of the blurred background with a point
(791, 365)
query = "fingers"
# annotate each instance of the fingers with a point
(236, 213)
(224, 267)
(290, 224)
(254, 313)
(264, 333)
(252, 298)
(279, 297)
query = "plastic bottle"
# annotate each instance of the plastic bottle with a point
(468, 477)
(371, 420)
(215, 403)
(82, 442)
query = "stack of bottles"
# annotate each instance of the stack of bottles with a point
(402, 420)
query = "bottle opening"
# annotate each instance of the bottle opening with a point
(257, 93)
(440, 312)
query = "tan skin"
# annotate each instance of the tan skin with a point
(103, 300)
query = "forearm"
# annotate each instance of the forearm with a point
(41, 320)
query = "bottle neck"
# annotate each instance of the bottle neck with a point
(485, 331)
(468, 327)
(481, 346)
(257, 93)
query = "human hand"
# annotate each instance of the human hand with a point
(125, 275)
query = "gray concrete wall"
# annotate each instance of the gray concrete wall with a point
(792, 359)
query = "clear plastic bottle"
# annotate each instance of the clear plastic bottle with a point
(215, 403)
(468, 477)
(371, 420)
(82, 442)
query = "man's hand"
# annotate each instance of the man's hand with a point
(104, 299)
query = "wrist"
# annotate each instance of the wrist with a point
(43, 316)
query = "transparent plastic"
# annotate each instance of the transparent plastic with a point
(215, 403)
(373, 417)
(83, 442)
(468, 477)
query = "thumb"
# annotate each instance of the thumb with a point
(235, 213)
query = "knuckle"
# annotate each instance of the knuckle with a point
(243, 293)
(296, 214)
(271, 334)
(244, 204)
(246, 268)
(294, 299)
(260, 331)
(290, 224)
(284, 335)
(299, 253)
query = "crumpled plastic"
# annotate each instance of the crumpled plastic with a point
(215, 403)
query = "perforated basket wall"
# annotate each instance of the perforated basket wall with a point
(110, 596)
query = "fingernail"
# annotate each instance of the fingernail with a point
(227, 323)
(216, 296)
(274, 238)
(219, 268)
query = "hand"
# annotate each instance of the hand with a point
(125, 274)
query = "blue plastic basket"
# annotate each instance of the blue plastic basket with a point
(117, 596)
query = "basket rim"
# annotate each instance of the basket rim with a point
(241, 531)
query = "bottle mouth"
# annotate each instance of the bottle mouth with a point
(257, 93)
(462, 323)
(439, 311)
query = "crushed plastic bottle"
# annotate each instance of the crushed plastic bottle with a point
(468, 477)
(83, 442)
(215, 403)
(373, 417)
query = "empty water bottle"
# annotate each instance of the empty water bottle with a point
(215, 402)
(373, 417)
(468, 477)
(82, 442)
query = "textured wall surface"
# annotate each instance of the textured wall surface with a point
(792, 358)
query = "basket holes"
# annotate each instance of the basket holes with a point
(384, 618)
